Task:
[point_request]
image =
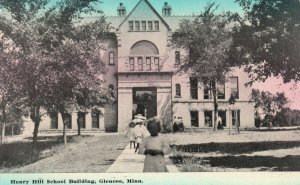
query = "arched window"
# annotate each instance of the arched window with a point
(144, 48)
(178, 90)
(177, 57)
(111, 58)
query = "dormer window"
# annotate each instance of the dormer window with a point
(131, 25)
(137, 25)
(150, 25)
(144, 25)
(156, 25)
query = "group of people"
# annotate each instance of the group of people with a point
(145, 134)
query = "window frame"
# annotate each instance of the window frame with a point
(150, 28)
(148, 63)
(177, 58)
(156, 64)
(208, 113)
(196, 113)
(144, 25)
(156, 25)
(193, 88)
(130, 24)
(218, 91)
(140, 63)
(131, 63)
(111, 58)
(137, 25)
(177, 90)
(237, 94)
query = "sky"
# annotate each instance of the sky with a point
(179, 7)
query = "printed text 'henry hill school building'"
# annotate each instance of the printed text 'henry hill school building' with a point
(142, 71)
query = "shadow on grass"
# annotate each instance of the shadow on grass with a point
(237, 148)
(287, 163)
(20, 153)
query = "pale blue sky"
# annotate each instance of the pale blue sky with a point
(179, 7)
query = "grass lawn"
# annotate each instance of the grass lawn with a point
(83, 154)
(248, 151)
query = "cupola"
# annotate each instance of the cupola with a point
(121, 10)
(167, 9)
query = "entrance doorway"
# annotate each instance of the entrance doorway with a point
(145, 102)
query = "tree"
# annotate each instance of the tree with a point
(267, 39)
(268, 104)
(58, 55)
(206, 40)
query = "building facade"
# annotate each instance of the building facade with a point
(142, 71)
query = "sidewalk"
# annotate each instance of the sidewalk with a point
(129, 162)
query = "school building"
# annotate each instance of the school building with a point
(142, 71)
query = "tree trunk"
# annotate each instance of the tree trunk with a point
(237, 131)
(36, 119)
(3, 132)
(3, 122)
(12, 130)
(78, 127)
(214, 92)
(64, 127)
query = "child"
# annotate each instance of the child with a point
(131, 134)
(139, 131)
(154, 147)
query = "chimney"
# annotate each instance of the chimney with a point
(121, 10)
(167, 9)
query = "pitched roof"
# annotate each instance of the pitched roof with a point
(152, 8)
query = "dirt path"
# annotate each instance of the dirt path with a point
(90, 155)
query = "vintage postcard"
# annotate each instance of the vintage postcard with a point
(149, 92)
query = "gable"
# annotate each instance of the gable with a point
(144, 11)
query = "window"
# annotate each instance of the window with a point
(207, 90)
(131, 64)
(194, 119)
(137, 26)
(221, 91)
(156, 25)
(235, 117)
(194, 88)
(81, 119)
(148, 64)
(156, 63)
(234, 87)
(150, 25)
(68, 121)
(111, 58)
(131, 25)
(178, 90)
(95, 120)
(144, 25)
(54, 121)
(140, 64)
(177, 57)
(222, 114)
(208, 118)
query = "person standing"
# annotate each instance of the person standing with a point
(154, 147)
(131, 134)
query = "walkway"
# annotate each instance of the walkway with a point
(129, 162)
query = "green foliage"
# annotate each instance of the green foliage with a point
(206, 40)
(268, 40)
(54, 55)
(268, 105)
